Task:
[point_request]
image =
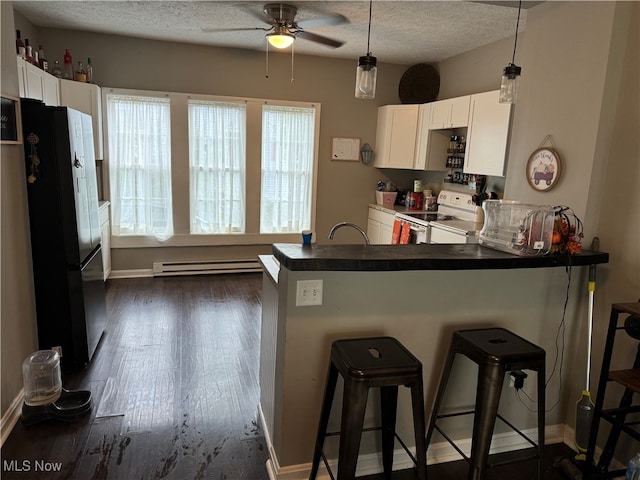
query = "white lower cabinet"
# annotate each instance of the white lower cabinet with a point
(380, 226)
(105, 232)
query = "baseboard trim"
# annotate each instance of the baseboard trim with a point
(438, 453)
(11, 417)
(139, 273)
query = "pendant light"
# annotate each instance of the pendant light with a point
(367, 71)
(511, 73)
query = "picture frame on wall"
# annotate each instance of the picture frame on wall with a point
(543, 169)
(10, 121)
(345, 149)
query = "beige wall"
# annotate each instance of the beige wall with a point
(17, 320)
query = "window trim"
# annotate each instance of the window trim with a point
(180, 173)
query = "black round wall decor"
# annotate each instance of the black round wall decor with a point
(419, 84)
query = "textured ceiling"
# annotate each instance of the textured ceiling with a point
(402, 32)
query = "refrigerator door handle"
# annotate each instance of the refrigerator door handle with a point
(90, 257)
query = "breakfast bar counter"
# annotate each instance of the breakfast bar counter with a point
(418, 257)
(419, 294)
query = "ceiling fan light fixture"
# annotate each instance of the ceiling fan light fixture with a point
(366, 77)
(280, 38)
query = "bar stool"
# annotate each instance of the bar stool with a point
(496, 351)
(366, 363)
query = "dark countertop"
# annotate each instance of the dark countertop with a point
(371, 258)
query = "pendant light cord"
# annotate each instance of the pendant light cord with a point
(515, 44)
(369, 31)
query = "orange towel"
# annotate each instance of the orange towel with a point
(406, 234)
(395, 236)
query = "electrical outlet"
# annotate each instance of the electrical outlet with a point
(308, 292)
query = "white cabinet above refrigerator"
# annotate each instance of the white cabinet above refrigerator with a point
(87, 98)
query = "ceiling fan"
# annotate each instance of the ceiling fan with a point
(283, 28)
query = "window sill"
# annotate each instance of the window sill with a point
(204, 240)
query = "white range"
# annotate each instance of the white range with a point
(459, 219)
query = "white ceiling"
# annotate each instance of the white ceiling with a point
(402, 32)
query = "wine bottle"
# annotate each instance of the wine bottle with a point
(67, 69)
(44, 65)
(89, 71)
(20, 48)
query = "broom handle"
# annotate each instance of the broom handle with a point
(595, 246)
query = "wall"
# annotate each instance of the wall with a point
(17, 320)
(579, 78)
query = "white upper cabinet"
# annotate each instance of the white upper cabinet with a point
(487, 135)
(396, 136)
(86, 98)
(37, 84)
(431, 145)
(450, 113)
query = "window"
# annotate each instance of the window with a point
(140, 165)
(217, 167)
(287, 168)
(190, 170)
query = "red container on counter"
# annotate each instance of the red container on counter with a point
(415, 200)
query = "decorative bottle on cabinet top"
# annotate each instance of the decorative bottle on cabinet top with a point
(81, 74)
(20, 48)
(67, 70)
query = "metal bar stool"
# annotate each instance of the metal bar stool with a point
(366, 363)
(496, 351)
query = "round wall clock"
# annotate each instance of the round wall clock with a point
(543, 169)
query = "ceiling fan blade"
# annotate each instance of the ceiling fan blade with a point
(327, 20)
(329, 42)
(249, 8)
(213, 30)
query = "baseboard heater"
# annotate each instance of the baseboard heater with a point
(205, 268)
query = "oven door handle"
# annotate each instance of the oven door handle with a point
(449, 229)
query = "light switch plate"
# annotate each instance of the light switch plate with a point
(308, 292)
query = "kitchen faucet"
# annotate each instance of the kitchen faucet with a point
(349, 224)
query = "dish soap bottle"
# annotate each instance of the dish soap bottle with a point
(633, 470)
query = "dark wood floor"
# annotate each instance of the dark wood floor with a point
(175, 390)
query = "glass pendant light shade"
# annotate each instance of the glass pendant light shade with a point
(509, 85)
(280, 38)
(366, 77)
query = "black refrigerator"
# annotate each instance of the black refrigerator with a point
(65, 230)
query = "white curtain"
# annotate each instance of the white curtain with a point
(140, 165)
(287, 168)
(217, 172)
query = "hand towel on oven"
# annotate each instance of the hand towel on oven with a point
(395, 235)
(405, 234)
